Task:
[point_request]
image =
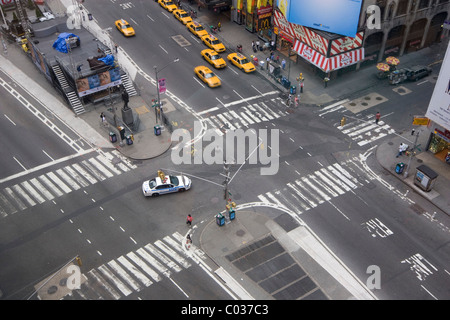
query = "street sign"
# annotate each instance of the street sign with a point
(421, 121)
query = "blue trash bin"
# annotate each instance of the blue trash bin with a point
(232, 214)
(157, 130)
(293, 90)
(220, 219)
(399, 167)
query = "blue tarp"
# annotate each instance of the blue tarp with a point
(60, 43)
(108, 59)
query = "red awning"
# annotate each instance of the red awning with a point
(328, 64)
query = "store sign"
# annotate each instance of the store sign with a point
(444, 135)
(421, 121)
(264, 23)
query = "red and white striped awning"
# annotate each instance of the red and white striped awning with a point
(328, 64)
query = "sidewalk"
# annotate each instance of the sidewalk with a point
(386, 154)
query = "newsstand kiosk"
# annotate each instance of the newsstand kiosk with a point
(425, 177)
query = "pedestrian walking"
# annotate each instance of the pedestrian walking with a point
(288, 101)
(188, 241)
(401, 148)
(272, 56)
(272, 45)
(325, 81)
(257, 45)
(297, 100)
(267, 63)
(377, 117)
(277, 59)
(189, 220)
(283, 64)
(219, 25)
(103, 118)
(253, 46)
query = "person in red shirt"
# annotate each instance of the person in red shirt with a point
(189, 220)
(377, 117)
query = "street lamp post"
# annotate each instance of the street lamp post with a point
(158, 102)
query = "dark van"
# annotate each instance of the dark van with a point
(417, 72)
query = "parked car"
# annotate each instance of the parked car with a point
(417, 72)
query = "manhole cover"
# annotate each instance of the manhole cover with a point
(400, 90)
(240, 233)
(367, 98)
(379, 98)
(52, 289)
(364, 103)
(63, 282)
(214, 200)
(352, 104)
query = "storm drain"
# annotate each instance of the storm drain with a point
(267, 263)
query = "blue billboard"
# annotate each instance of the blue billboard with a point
(335, 16)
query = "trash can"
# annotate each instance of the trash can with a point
(232, 214)
(90, 17)
(425, 177)
(112, 137)
(157, 130)
(220, 219)
(293, 90)
(399, 167)
(129, 140)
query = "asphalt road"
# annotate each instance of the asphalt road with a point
(367, 223)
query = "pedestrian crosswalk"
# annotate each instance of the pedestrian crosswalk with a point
(361, 129)
(246, 115)
(309, 191)
(137, 269)
(56, 183)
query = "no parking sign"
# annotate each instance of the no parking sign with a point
(3, 2)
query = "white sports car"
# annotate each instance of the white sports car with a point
(156, 186)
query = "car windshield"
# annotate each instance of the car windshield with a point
(174, 180)
(126, 26)
(152, 183)
(215, 41)
(183, 15)
(215, 57)
(244, 61)
(168, 3)
(200, 28)
(209, 75)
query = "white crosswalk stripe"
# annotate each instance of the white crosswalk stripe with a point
(246, 115)
(360, 128)
(318, 187)
(130, 272)
(56, 183)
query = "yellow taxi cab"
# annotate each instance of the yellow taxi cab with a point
(124, 27)
(207, 76)
(213, 58)
(240, 61)
(213, 43)
(168, 5)
(182, 16)
(197, 29)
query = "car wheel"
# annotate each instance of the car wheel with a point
(181, 190)
(155, 195)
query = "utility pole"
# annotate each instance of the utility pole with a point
(405, 175)
(227, 180)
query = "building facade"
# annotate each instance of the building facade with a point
(406, 26)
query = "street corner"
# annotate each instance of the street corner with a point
(218, 239)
